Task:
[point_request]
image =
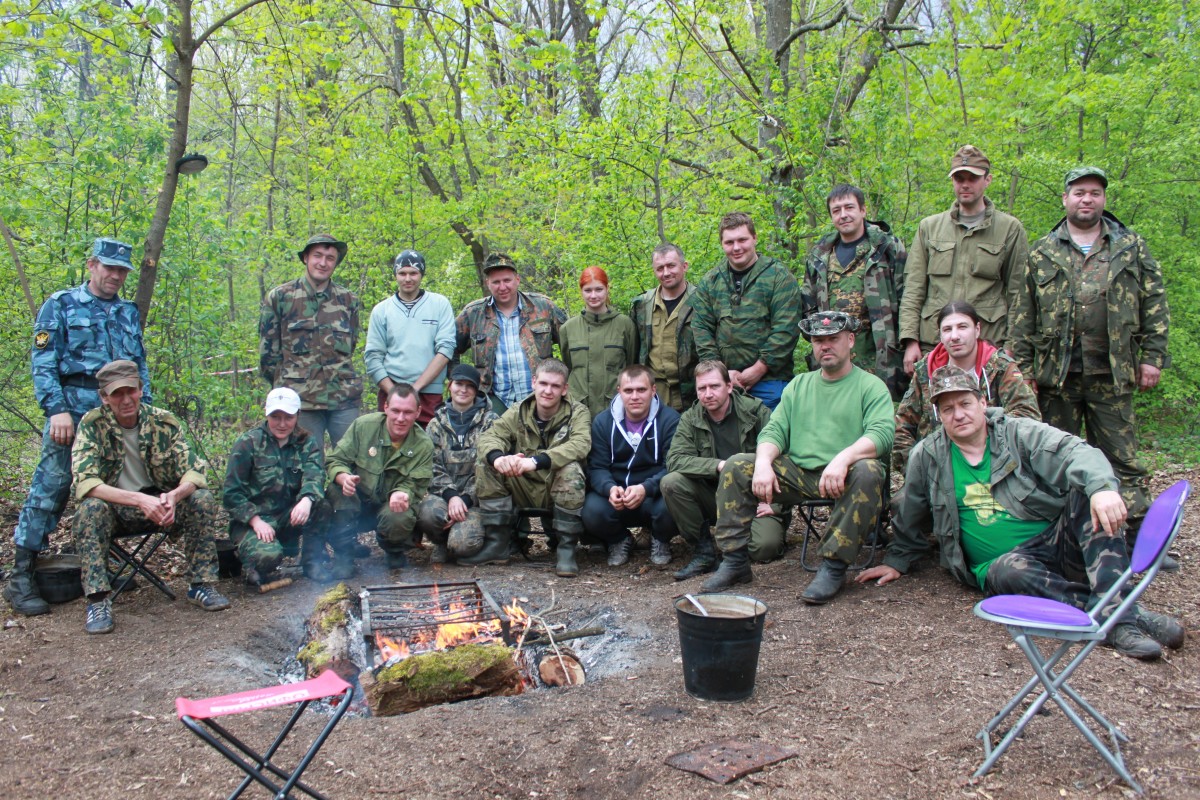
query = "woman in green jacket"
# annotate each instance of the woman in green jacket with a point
(597, 344)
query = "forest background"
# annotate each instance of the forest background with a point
(564, 132)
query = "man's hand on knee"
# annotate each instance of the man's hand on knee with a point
(765, 483)
(1108, 512)
(833, 478)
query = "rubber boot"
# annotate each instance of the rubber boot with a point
(827, 583)
(497, 544)
(704, 560)
(566, 566)
(734, 569)
(312, 558)
(21, 591)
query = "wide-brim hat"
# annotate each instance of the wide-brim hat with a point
(827, 323)
(323, 238)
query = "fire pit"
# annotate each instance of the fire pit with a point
(405, 619)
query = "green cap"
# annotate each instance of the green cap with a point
(498, 261)
(1085, 172)
(952, 379)
(112, 253)
(827, 323)
(322, 238)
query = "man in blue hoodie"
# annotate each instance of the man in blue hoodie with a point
(628, 461)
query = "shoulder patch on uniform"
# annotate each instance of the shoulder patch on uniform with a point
(41, 340)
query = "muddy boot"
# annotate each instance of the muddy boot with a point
(566, 566)
(342, 568)
(1163, 629)
(21, 591)
(734, 569)
(704, 560)
(497, 547)
(827, 583)
(1128, 640)
(312, 558)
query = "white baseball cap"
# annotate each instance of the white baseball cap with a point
(283, 399)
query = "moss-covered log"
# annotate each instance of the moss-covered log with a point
(327, 635)
(470, 670)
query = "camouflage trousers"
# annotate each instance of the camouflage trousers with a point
(1091, 405)
(49, 491)
(562, 489)
(1069, 562)
(353, 515)
(461, 539)
(97, 522)
(265, 556)
(852, 518)
(693, 504)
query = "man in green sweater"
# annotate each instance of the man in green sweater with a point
(826, 439)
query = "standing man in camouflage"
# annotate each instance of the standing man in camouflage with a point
(663, 318)
(449, 515)
(273, 485)
(378, 475)
(826, 440)
(533, 458)
(508, 333)
(972, 252)
(307, 331)
(859, 270)
(746, 313)
(134, 472)
(1091, 326)
(76, 333)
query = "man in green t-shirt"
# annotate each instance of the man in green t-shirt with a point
(825, 440)
(1017, 507)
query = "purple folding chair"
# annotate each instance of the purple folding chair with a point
(1028, 617)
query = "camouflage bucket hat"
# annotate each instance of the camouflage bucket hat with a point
(498, 261)
(117, 374)
(112, 253)
(827, 323)
(951, 379)
(970, 158)
(323, 238)
(1080, 173)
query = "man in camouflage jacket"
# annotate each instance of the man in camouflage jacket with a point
(308, 330)
(508, 333)
(666, 308)
(135, 472)
(1091, 326)
(868, 286)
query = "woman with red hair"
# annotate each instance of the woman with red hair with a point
(597, 344)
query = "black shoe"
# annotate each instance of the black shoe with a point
(251, 577)
(734, 569)
(827, 583)
(342, 569)
(206, 596)
(1128, 640)
(1163, 629)
(21, 591)
(396, 559)
(361, 551)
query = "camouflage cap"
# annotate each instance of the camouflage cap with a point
(116, 374)
(323, 238)
(952, 379)
(971, 159)
(827, 323)
(409, 258)
(112, 253)
(1085, 172)
(465, 372)
(498, 261)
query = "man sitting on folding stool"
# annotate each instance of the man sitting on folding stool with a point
(1017, 507)
(134, 472)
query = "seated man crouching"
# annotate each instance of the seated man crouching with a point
(135, 472)
(378, 473)
(1017, 507)
(274, 481)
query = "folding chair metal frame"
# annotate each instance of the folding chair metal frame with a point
(133, 561)
(197, 715)
(1027, 618)
(875, 544)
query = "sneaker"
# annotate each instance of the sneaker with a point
(207, 597)
(618, 554)
(660, 553)
(1163, 629)
(99, 617)
(1128, 640)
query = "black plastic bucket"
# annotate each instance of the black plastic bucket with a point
(720, 651)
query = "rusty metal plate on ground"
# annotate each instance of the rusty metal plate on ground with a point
(727, 760)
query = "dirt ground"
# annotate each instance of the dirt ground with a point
(880, 693)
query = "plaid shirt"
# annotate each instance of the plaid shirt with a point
(513, 377)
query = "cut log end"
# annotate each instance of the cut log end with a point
(561, 669)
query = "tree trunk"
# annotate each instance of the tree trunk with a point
(445, 676)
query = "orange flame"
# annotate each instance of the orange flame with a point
(449, 633)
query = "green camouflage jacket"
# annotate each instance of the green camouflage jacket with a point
(1138, 317)
(98, 455)
(984, 266)
(1034, 467)
(1004, 386)
(267, 480)
(762, 324)
(477, 330)
(693, 451)
(641, 311)
(366, 450)
(567, 437)
(882, 288)
(306, 342)
(595, 348)
(454, 456)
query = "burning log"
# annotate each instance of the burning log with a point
(327, 635)
(426, 679)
